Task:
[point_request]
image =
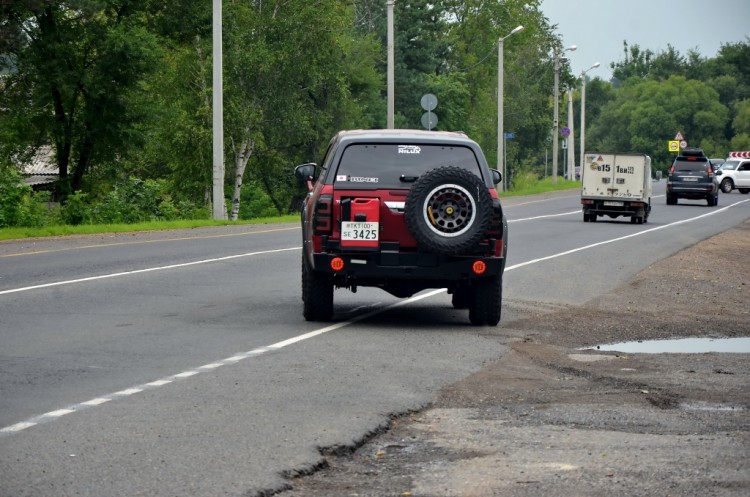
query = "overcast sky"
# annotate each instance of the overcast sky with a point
(598, 27)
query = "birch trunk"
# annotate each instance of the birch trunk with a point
(242, 155)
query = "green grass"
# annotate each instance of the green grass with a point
(90, 229)
(529, 184)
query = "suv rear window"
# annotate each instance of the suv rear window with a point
(694, 164)
(388, 165)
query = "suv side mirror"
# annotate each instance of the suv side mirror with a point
(306, 173)
(496, 176)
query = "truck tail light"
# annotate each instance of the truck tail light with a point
(587, 201)
(323, 215)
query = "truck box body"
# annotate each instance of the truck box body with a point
(616, 185)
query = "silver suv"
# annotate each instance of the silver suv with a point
(734, 174)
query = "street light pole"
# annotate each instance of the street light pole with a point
(500, 97)
(571, 153)
(583, 112)
(555, 117)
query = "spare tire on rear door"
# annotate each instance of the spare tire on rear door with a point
(448, 210)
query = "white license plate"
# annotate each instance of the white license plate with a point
(613, 203)
(689, 179)
(363, 231)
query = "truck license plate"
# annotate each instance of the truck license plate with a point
(359, 231)
(613, 203)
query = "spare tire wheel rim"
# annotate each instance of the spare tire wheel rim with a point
(449, 210)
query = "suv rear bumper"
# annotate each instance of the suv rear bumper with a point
(364, 267)
(699, 191)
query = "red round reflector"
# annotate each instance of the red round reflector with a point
(479, 267)
(337, 263)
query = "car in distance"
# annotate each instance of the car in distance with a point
(404, 211)
(692, 177)
(735, 173)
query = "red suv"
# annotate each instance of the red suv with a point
(403, 210)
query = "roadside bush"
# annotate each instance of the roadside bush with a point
(128, 202)
(20, 206)
(12, 194)
(255, 202)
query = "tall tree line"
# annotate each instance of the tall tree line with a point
(121, 89)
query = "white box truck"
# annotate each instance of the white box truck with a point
(616, 185)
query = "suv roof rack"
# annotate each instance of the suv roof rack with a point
(692, 152)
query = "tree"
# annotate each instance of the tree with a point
(646, 114)
(75, 64)
(288, 69)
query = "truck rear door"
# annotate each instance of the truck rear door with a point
(614, 176)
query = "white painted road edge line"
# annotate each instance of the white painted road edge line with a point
(147, 270)
(52, 415)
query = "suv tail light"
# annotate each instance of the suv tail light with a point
(323, 215)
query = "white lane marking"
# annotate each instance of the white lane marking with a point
(544, 216)
(632, 235)
(15, 428)
(51, 416)
(147, 270)
(141, 242)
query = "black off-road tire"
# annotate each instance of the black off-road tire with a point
(485, 308)
(317, 294)
(727, 185)
(448, 210)
(461, 298)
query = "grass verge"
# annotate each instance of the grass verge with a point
(90, 229)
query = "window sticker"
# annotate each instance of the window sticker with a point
(409, 149)
(362, 179)
(341, 177)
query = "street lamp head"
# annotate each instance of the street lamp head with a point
(515, 30)
(572, 48)
(583, 73)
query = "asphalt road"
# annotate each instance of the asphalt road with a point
(179, 363)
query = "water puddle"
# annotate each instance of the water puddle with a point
(680, 346)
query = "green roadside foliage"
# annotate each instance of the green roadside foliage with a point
(527, 184)
(530, 184)
(92, 229)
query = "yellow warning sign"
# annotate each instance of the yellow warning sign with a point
(674, 145)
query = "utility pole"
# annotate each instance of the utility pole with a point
(583, 111)
(556, 117)
(500, 101)
(390, 49)
(219, 209)
(571, 138)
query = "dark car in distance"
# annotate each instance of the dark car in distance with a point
(692, 177)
